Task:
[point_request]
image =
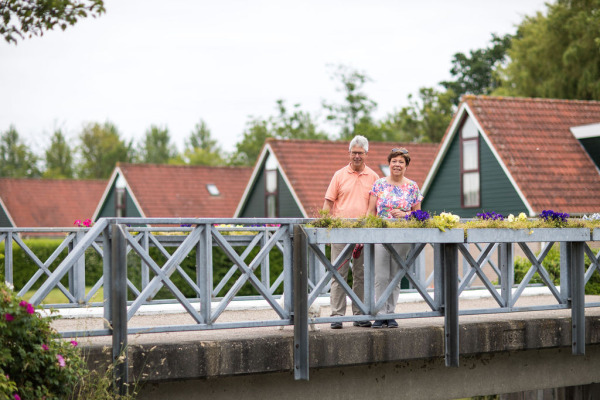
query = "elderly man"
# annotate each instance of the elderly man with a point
(348, 197)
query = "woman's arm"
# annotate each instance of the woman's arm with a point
(372, 209)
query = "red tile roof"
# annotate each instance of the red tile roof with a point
(179, 191)
(309, 165)
(533, 140)
(34, 203)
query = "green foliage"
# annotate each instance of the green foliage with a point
(32, 357)
(101, 148)
(476, 73)
(156, 147)
(16, 159)
(552, 264)
(356, 108)
(59, 158)
(27, 18)
(557, 55)
(200, 148)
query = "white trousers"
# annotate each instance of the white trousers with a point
(385, 270)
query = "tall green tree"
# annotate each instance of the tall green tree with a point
(248, 149)
(101, 148)
(16, 159)
(355, 111)
(556, 55)
(424, 120)
(476, 73)
(200, 148)
(294, 123)
(59, 158)
(156, 147)
(27, 18)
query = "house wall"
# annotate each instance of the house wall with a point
(4, 220)
(108, 208)
(255, 204)
(497, 193)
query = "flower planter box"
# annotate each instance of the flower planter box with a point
(596, 234)
(383, 235)
(497, 235)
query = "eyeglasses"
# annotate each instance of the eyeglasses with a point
(358, 153)
(400, 150)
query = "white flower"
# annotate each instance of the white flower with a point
(522, 217)
(510, 218)
(9, 285)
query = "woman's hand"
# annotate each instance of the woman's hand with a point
(397, 213)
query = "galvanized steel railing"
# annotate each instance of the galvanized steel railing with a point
(306, 265)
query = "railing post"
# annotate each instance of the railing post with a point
(265, 264)
(145, 271)
(106, 265)
(438, 276)
(449, 264)
(300, 293)
(369, 276)
(8, 258)
(575, 261)
(507, 272)
(204, 271)
(118, 294)
(77, 273)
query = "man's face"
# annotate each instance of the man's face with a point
(357, 158)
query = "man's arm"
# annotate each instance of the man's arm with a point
(327, 205)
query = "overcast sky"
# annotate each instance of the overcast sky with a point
(172, 63)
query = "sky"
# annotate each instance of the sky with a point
(173, 63)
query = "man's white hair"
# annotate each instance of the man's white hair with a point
(359, 141)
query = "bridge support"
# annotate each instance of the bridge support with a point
(118, 291)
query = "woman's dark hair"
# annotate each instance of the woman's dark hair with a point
(399, 152)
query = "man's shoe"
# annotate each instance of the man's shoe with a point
(336, 325)
(391, 323)
(379, 323)
(362, 324)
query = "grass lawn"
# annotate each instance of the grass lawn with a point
(56, 296)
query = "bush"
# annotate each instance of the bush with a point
(33, 361)
(552, 265)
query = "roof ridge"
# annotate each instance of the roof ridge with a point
(525, 99)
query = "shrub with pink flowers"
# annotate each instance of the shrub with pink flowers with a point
(34, 362)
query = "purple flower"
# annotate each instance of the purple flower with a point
(490, 216)
(16, 396)
(74, 343)
(61, 360)
(8, 317)
(44, 346)
(419, 215)
(549, 215)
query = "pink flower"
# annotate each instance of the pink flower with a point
(87, 222)
(44, 346)
(74, 343)
(8, 317)
(61, 360)
(16, 396)
(30, 309)
(77, 222)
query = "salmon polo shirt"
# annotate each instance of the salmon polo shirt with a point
(349, 192)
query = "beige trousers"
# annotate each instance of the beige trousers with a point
(337, 293)
(385, 270)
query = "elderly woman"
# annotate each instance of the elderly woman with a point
(394, 196)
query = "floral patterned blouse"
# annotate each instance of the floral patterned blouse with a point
(391, 196)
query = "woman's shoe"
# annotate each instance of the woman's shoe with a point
(379, 323)
(391, 323)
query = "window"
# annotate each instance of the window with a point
(212, 189)
(271, 187)
(469, 159)
(120, 197)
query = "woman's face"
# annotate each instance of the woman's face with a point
(397, 166)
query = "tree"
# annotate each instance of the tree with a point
(297, 125)
(424, 120)
(248, 149)
(59, 158)
(16, 159)
(476, 73)
(101, 148)
(27, 18)
(156, 147)
(558, 55)
(357, 107)
(200, 148)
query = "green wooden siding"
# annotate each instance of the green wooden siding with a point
(4, 220)
(497, 193)
(255, 202)
(287, 206)
(592, 146)
(108, 208)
